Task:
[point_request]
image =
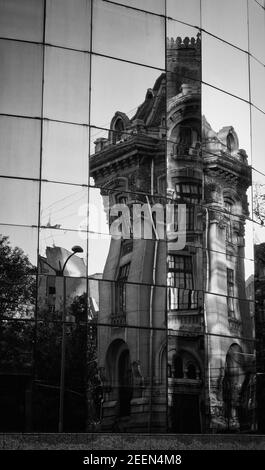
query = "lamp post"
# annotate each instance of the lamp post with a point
(60, 272)
(75, 249)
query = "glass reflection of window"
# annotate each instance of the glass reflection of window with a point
(228, 204)
(190, 218)
(119, 129)
(121, 287)
(189, 192)
(180, 271)
(180, 279)
(230, 291)
(185, 140)
(230, 142)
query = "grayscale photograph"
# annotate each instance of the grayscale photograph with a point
(132, 228)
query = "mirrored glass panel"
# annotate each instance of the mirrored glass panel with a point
(22, 240)
(235, 234)
(47, 376)
(20, 78)
(119, 303)
(98, 251)
(214, 54)
(65, 152)
(154, 6)
(101, 139)
(224, 115)
(231, 380)
(258, 126)
(257, 77)
(231, 276)
(258, 198)
(18, 248)
(256, 31)
(259, 241)
(185, 371)
(249, 239)
(20, 201)
(259, 320)
(20, 147)
(121, 229)
(59, 295)
(183, 95)
(183, 10)
(124, 175)
(22, 19)
(110, 96)
(18, 296)
(63, 206)
(16, 357)
(108, 256)
(128, 34)
(55, 246)
(131, 367)
(230, 316)
(80, 365)
(231, 22)
(16, 365)
(68, 23)
(66, 85)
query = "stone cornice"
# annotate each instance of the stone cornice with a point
(124, 152)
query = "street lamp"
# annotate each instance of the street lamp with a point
(60, 272)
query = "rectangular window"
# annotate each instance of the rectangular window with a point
(230, 291)
(180, 279)
(183, 299)
(189, 192)
(121, 288)
(51, 282)
(180, 271)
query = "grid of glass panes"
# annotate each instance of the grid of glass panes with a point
(68, 67)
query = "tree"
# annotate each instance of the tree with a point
(33, 349)
(17, 302)
(259, 203)
(17, 282)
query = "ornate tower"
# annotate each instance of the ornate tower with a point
(186, 396)
(227, 176)
(130, 168)
(172, 330)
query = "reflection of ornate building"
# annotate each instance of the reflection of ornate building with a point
(130, 357)
(195, 329)
(259, 284)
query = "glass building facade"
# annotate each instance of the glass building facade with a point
(132, 246)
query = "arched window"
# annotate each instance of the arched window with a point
(230, 142)
(118, 130)
(178, 367)
(191, 371)
(185, 140)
